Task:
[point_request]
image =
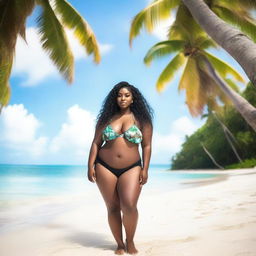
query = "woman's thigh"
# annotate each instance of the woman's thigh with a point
(129, 188)
(106, 182)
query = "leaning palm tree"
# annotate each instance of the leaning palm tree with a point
(54, 16)
(189, 49)
(239, 46)
(228, 134)
(184, 21)
(236, 12)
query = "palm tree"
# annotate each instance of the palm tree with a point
(236, 12)
(247, 110)
(211, 156)
(228, 134)
(189, 48)
(54, 16)
(239, 46)
(152, 14)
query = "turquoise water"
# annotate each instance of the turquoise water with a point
(26, 181)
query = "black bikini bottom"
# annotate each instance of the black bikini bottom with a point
(116, 171)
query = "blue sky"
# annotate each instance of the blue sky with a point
(50, 122)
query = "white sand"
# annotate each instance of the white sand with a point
(214, 219)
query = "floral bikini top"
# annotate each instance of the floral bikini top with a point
(133, 134)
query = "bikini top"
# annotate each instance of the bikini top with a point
(133, 134)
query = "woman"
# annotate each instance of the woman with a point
(125, 121)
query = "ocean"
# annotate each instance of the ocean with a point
(18, 182)
(36, 194)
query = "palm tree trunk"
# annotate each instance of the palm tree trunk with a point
(247, 111)
(228, 133)
(238, 45)
(212, 158)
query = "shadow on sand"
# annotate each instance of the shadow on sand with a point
(86, 239)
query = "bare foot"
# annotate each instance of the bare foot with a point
(120, 250)
(130, 247)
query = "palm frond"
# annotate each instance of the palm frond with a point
(224, 98)
(210, 91)
(54, 40)
(24, 9)
(232, 84)
(163, 48)
(13, 14)
(8, 25)
(245, 4)
(245, 24)
(150, 16)
(6, 61)
(73, 20)
(169, 71)
(208, 85)
(203, 42)
(212, 104)
(211, 88)
(185, 25)
(177, 32)
(190, 81)
(5, 94)
(222, 67)
(250, 4)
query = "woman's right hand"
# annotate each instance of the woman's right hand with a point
(91, 174)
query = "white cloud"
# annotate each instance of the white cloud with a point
(184, 126)
(161, 30)
(76, 133)
(32, 61)
(105, 48)
(18, 131)
(163, 146)
(22, 144)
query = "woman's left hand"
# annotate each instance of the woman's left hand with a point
(143, 177)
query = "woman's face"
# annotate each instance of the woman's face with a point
(124, 98)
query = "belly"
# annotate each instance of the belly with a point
(119, 153)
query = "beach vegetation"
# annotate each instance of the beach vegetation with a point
(193, 156)
(247, 163)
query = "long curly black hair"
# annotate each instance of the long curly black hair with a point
(141, 109)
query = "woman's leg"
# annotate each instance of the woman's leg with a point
(106, 182)
(129, 190)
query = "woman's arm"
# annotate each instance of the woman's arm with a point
(147, 132)
(95, 146)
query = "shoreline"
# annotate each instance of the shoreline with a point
(222, 175)
(241, 170)
(207, 218)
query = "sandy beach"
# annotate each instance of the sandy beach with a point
(212, 217)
